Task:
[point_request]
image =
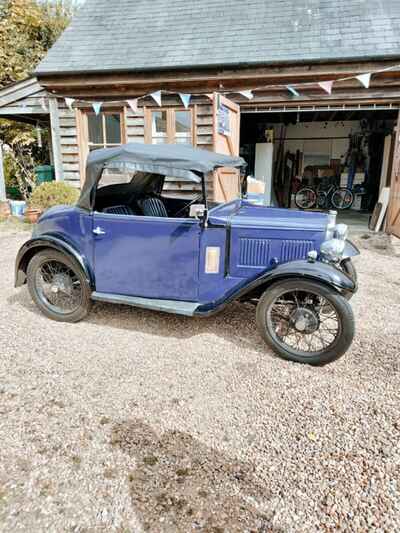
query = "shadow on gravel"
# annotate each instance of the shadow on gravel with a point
(236, 324)
(181, 485)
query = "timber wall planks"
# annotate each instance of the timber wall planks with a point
(69, 144)
(135, 133)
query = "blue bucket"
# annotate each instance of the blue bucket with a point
(17, 207)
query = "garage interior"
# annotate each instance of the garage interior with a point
(288, 149)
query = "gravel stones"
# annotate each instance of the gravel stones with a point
(138, 421)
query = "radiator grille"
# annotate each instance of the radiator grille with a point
(254, 252)
(292, 250)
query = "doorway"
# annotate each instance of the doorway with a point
(287, 150)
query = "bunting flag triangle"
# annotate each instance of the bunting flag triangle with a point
(365, 79)
(133, 104)
(97, 107)
(157, 97)
(70, 102)
(292, 90)
(326, 86)
(247, 94)
(185, 99)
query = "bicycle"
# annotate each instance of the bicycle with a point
(340, 198)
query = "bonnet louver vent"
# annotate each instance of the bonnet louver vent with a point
(254, 252)
(292, 250)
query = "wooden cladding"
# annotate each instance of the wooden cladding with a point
(393, 225)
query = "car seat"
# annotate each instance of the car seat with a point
(153, 207)
(119, 210)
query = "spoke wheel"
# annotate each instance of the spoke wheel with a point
(342, 199)
(305, 321)
(58, 286)
(306, 198)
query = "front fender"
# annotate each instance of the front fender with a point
(56, 242)
(302, 269)
(350, 250)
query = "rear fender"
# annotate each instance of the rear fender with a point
(56, 242)
(318, 271)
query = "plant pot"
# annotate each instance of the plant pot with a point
(5, 210)
(32, 215)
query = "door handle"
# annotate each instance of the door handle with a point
(99, 231)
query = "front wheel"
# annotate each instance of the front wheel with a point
(305, 198)
(58, 286)
(305, 321)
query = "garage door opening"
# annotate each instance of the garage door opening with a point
(322, 150)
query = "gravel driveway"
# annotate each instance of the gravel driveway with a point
(136, 421)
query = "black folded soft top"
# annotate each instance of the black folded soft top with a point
(176, 160)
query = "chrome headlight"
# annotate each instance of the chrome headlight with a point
(333, 248)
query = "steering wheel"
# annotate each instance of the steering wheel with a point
(196, 199)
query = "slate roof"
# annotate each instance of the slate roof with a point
(133, 35)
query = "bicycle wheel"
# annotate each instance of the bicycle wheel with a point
(322, 200)
(305, 198)
(342, 198)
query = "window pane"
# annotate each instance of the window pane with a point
(95, 123)
(183, 122)
(113, 129)
(159, 122)
(183, 139)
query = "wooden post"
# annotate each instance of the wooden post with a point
(2, 178)
(393, 216)
(56, 138)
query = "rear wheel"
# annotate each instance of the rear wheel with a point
(58, 286)
(306, 198)
(342, 198)
(305, 321)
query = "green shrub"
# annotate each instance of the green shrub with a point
(53, 193)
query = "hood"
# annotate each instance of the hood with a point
(245, 214)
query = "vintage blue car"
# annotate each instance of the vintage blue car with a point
(127, 242)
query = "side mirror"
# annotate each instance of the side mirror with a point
(197, 211)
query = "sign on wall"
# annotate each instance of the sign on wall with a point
(224, 124)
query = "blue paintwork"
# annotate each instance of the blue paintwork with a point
(164, 258)
(148, 257)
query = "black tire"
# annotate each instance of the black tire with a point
(349, 269)
(306, 198)
(342, 308)
(322, 200)
(83, 303)
(337, 199)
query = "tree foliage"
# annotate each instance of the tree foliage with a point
(28, 28)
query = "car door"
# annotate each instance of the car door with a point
(149, 257)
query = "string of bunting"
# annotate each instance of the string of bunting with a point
(294, 89)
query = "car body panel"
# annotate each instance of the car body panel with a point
(166, 259)
(147, 256)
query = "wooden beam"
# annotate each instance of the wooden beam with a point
(3, 196)
(284, 71)
(55, 138)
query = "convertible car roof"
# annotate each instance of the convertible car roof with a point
(177, 160)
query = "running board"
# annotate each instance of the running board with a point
(167, 306)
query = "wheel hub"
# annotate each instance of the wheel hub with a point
(304, 320)
(61, 283)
